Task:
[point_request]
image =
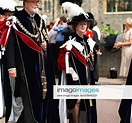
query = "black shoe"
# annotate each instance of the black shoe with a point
(96, 80)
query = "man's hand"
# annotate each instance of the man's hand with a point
(44, 45)
(12, 73)
(98, 52)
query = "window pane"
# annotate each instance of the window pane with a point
(49, 6)
(119, 5)
(45, 6)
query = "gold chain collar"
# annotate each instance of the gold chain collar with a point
(27, 32)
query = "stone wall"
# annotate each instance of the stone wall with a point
(98, 8)
(108, 60)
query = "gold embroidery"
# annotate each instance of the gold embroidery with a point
(45, 35)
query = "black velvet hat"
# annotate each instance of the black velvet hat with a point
(91, 16)
(91, 20)
(7, 10)
(2, 11)
(29, 0)
(79, 18)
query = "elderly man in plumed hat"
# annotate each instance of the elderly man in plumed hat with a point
(29, 66)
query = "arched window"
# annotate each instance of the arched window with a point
(119, 5)
(47, 5)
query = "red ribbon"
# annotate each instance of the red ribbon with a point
(3, 40)
(29, 42)
(2, 25)
(3, 29)
(26, 39)
(61, 57)
(79, 56)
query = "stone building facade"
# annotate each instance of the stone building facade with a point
(98, 7)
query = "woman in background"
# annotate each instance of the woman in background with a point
(126, 45)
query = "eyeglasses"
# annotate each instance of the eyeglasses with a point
(34, 2)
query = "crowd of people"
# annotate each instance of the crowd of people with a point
(34, 55)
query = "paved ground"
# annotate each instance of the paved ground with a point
(107, 110)
(107, 81)
(2, 120)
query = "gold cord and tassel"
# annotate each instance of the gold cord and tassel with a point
(27, 32)
(44, 84)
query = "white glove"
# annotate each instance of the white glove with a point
(73, 74)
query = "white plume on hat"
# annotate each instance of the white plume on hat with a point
(45, 18)
(72, 9)
(8, 4)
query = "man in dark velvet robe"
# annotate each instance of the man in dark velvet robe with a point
(25, 66)
(125, 106)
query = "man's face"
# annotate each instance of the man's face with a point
(32, 6)
(2, 17)
(8, 14)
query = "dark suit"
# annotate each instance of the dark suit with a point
(125, 106)
(96, 48)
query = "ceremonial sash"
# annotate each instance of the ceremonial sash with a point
(5, 28)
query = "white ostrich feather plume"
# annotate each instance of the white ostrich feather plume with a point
(45, 18)
(72, 9)
(8, 4)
